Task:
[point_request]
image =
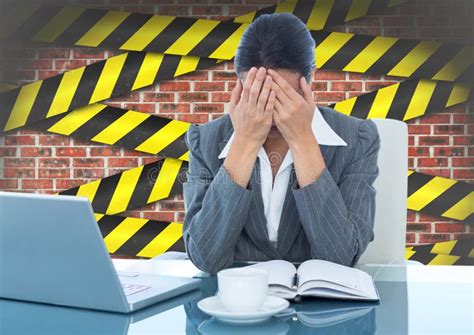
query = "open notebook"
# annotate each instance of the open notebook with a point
(318, 278)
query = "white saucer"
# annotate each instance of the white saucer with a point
(271, 306)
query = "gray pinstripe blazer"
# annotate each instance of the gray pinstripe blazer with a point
(330, 219)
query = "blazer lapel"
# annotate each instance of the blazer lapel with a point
(256, 226)
(290, 224)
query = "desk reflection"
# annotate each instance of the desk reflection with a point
(182, 316)
(311, 316)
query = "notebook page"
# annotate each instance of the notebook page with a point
(345, 276)
(279, 272)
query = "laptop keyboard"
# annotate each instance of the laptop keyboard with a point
(130, 289)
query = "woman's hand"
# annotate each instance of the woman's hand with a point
(293, 113)
(251, 111)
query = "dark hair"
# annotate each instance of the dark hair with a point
(277, 41)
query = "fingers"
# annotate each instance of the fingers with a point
(306, 88)
(235, 96)
(270, 106)
(257, 86)
(285, 92)
(248, 83)
(263, 97)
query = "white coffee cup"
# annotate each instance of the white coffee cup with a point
(242, 289)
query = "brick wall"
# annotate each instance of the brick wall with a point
(34, 161)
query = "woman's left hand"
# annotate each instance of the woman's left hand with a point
(293, 112)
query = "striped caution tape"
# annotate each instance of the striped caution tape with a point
(406, 100)
(408, 58)
(128, 129)
(146, 32)
(92, 83)
(134, 188)
(402, 101)
(139, 237)
(463, 248)
(219, 40)
(456, 252)
(440, 196)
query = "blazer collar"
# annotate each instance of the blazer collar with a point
(322, 131)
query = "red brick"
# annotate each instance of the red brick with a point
(88, 162)
(54, 173)
(174, 86)
(19, 140)
(328, 75)
(35, 152)
(209, 86)
(463, 174)
(448, 129)
(19, 162)
(174, 108)
(410, 237)
(122, 162)
(208, 108)
(8, 184)
(193, 97)
(18, 173)
(433, 238)
(71, 152)
(105, 151)
(346, 86)
(450, 227)
(463, 161)
(432, 161)
(419, 227)
(69, 64)
(418, 151)
(53, 162)
(418, 129)
(433, 140)
(158, 97)
(88, 173)
(54, 140)
(448, 151)
(34, 184)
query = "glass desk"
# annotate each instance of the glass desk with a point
(415, 299)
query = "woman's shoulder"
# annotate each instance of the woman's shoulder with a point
(215, 130)
(351, 129)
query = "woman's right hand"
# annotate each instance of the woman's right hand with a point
(251, 111)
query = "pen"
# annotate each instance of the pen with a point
(295, 282)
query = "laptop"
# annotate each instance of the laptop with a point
(52, 251)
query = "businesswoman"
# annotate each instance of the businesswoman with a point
(279, 177)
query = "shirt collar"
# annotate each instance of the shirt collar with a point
(324, 134)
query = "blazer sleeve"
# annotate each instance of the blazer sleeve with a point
(215, 209)
(338, 218)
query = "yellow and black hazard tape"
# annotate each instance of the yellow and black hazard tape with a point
(139, 237)
(26, 105)
(456, 252)
(463, 247)
(219, 40)
(165, 137)
(440, 196)
(86, 85)
(406, 100)
(134, 188)
(128, 129)
(146, 32)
